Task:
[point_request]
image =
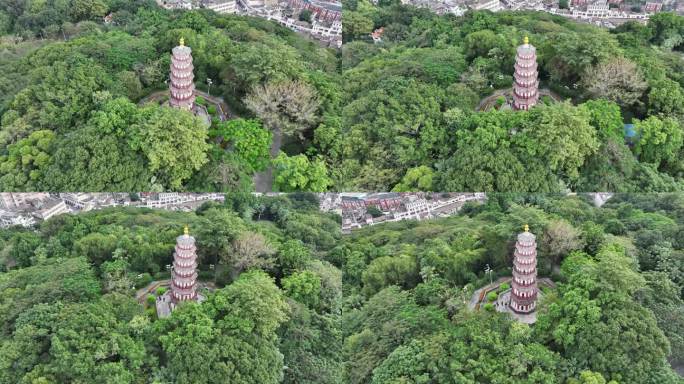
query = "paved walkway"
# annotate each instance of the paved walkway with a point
(141, 294)
(263, 181)
(488, 101)
(222, 109)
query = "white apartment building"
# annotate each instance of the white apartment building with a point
(490, 5)
(221, 6)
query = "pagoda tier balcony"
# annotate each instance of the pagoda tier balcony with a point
(181, 78)
(187, 247)
(527, 243)
(525, 94)
(190, 272)
(525, 65)
(184, 267)
(181, 59)
(529, 89)
(526, 82)
(183, 284)
(524, 271)
(524, 291)
(177, 97)
(182, 67)
(523, 300)
(184, 297)
(184, 271)
(181, 54)
(526, 50)
(182, 92)
(524, 282)
(185, 252)
(191, 260)
(523, 308)
(524, 259)
(180, 292)
(525, 251)
(524, 264)
(179, 93)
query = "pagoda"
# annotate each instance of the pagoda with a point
(525, 88)
(184, 274)
(181, 87)
(524, 283)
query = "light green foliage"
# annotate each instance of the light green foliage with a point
(250, 141)
(304, 287)
(293, 256)
(173, 141)
(298, 173)
(23, 166)
(416, 179)
(659, 140)
(385, 271)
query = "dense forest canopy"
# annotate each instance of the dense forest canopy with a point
(68, 312)
(409, 119)
(297, 302)
(616, 314)
(69, 118)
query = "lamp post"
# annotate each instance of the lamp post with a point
(209, 83)
(489, 272)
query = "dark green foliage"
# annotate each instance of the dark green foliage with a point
(614, 316)
(410, 105)
(67, 121)
(57, 326)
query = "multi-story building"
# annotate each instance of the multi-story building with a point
(220, 6)
(49, 208)
(489, 5)
(13, 201)
(598, 8)
(653, 7)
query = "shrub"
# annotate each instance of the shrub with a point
(211, 109)
(161, 291)
(504, 287)
(151, 300)
(492, 296)
(199, 100)
(143, 280)
(489, 307)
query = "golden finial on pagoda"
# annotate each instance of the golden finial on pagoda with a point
(527, 228)
(182, 42)
(526, 40)
(186, 230)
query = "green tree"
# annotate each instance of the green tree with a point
(298, 173)
(293, 256)
(24, 165)
(87, 9)
(305, 287)
(416, 179)
(173, 142)
(248, 139)
(231, 337)
(659, 140)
